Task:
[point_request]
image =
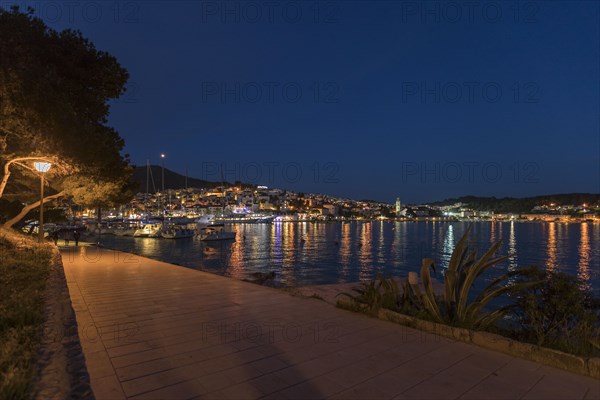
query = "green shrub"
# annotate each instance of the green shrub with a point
(558, 313)
(23, 274)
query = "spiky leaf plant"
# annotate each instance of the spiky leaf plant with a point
(454, 307)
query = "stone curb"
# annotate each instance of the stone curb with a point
(60, 363)
(543, 355)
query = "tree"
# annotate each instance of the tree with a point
(55, 89)
(99, 193)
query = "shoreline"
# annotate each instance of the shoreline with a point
(321, 260)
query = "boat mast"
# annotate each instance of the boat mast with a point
(147, 181)
(224, 192)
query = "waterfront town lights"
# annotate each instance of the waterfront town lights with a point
(42, 168)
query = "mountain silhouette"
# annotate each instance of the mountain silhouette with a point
(173, 180)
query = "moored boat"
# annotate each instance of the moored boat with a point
(216, 232)
(176, 232)
(124, 231)
(244, 218)
(149, 230)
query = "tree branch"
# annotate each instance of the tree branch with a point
(26, 209)
(18, 162)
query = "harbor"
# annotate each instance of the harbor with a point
(305, 253)
(389, 200)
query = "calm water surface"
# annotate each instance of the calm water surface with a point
(304, 253)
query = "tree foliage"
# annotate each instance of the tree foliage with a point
(55, 89)
(520, 205)
(98, 193)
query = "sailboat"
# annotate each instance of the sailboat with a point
(148, 228)
(151, 229)
(217, 231)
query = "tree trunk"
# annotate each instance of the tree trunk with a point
(4, 179)
(26, 209)
(99, 218)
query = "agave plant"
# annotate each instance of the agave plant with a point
(453, 307)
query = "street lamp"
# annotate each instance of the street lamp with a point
(42, 168)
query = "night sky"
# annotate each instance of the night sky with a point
(375, 100)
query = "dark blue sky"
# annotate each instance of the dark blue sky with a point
(360, 99)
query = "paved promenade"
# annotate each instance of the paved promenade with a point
(152, 330)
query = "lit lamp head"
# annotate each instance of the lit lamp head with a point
(162, 155)
(42, 167)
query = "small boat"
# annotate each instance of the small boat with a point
(266, 219)
(216, 232)
(176, 232)
(127, 228)
(204, 221)
(210, 250)
(149, 230)
(124, 231)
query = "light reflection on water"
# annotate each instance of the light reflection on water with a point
(584, 255)
(513, 262)
(551, 258)
(318, 253)
(448, 246)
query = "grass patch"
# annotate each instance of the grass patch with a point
(24, 269)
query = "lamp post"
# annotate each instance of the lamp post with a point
(42, 168)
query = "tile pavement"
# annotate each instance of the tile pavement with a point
(152, 330)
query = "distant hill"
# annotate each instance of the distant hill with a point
(173, 180)
(520, 205)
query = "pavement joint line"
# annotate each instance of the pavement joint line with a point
(190, 341)
(175, 354)
(105, 350)
(276, 354)
(187, 311)
(356, 362)
(403, 363)
(438, 372)
(532, 386)
(493, 372)
(245, 363)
